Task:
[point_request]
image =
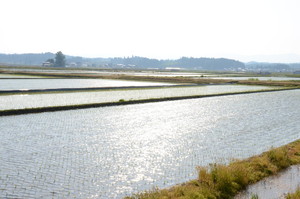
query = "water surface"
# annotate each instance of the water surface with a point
(22, 101)
(12, 76)
(274, 187)
(111, 152)
(28, 84)
(260, 78)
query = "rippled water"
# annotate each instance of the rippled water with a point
(114, 151)
(18, 84)
(62, 99)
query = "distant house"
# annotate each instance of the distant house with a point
(72, 64)
(120, 65)
(47, 64)
(264, 73)
(84, 65)
(173, 68)
(297, 72)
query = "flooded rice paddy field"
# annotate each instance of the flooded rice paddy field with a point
(168, 74)
(115, 72)
(22, 101)
(156, 73)
(260, 78)
(41, 69)
(274, 187)
(12, 76)
(29, 84)
(111, 152)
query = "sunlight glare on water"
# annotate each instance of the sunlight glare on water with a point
(111, 152)
(19, 84)
(75, 98)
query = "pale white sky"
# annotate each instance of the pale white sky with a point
(152, 28)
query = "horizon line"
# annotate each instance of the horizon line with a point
(231, 57)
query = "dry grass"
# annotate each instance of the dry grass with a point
(219, 181)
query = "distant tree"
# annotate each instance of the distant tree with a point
(60, 59)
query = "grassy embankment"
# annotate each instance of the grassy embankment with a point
(219, 181)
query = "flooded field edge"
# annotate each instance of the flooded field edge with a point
(276, 186)
(227, 181)
(124, 102)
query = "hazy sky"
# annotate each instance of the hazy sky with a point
(152, 28)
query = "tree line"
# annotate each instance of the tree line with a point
(61, 60)
(58, 61)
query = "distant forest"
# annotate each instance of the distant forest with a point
(135, 62)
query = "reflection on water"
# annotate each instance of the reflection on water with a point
(62, 99)
(17, 84)
(260, 78)
(12, 76)
(275, 187)
(114, 151)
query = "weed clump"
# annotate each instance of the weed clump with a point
(253, 79)
(279, 157)
(295, 195)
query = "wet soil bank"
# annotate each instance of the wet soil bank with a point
(122, 102)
